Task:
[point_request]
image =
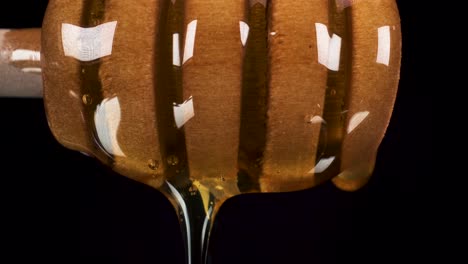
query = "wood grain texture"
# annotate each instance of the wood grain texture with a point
(62, 94)
(373, 89)
(214, 78)
(253, 105)
(297, 84)
(129, 74)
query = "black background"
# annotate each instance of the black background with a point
(56, 201)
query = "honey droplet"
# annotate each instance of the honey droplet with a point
(153, 164)
(87, 100)
(172, 160)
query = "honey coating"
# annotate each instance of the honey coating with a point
(213, 77)
(373, 89)
(268, 115)
(296, 86)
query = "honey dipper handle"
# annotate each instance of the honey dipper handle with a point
(20, 65)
